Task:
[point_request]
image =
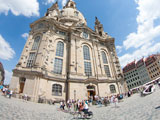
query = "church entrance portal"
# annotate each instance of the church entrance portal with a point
(91, 91)
(21, 83)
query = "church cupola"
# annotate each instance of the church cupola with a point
(99, 27)
(70, 4)
(69, 15)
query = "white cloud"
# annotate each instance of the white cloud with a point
(119, 49)
(8, 76)
(63, 2)
(20, 7)
(6, 52)
(144, 39)
(25, 35)
(49, 2)
(144, 51)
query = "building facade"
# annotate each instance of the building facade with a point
(153, 66)
(142, 71)
(131, 75)
(64, 59)
(2, 73)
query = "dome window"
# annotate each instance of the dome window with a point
(72, 5)
(76, 13)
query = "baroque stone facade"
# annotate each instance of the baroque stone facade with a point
(64, 59)
(1, 74)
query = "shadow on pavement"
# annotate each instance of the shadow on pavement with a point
(157, 107)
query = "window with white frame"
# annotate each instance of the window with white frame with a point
(105, 64)
(58, 62)
(88, 69)
(60, 49)
(86, 52)
(107, 71)
(31, 59)
(56, 90)
(36, 43)
(87, 61)
(104, 57)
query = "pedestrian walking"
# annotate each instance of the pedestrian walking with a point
(115, 101)
(1, 87)
(25, 97)
(3, 90)
(10, 94)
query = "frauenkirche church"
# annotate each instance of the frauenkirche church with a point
(64, 59)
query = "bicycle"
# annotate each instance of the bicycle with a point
(82, 115)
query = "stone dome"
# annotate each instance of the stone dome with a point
(70, 15)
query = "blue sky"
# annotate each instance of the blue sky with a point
(135, 25)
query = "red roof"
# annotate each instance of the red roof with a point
(129, 66)
(140, 63)
(149, 60)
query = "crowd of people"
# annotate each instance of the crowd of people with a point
(9, 93)
(6, 91)
(76, 105)
(92, 100)
(83, 105)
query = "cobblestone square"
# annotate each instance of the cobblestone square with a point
(133, 108)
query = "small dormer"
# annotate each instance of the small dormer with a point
(70, 4)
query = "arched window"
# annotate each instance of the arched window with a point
(112, 89)
(36, 43)
(86, 52)
(104, 57)
(105, 63)
(58, 63)
(60, 49)
(56, 90)
(87, 61)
